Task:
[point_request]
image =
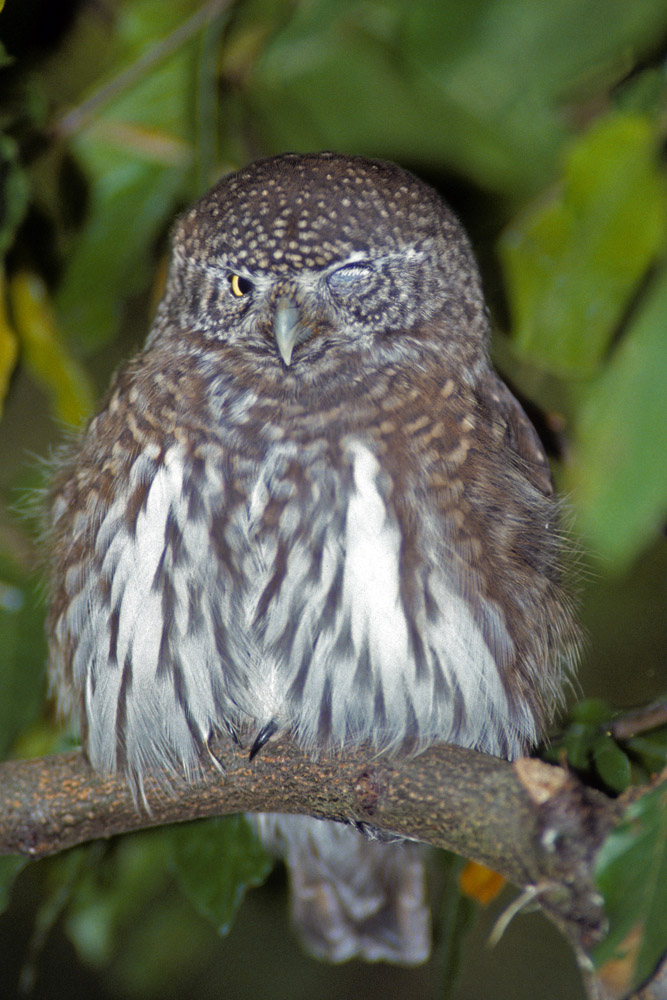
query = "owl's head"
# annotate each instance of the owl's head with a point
(300, 253)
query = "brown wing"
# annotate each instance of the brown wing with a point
(523, 438)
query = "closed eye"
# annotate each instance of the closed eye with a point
(348, 276)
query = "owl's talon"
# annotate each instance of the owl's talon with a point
(263, 737)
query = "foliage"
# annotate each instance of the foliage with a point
(230, 844)
(632, 875)
(589, 746)
(542, 122)
(631, 867)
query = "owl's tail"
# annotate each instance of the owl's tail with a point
(351, 896)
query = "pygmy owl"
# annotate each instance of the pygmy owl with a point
(309, 505)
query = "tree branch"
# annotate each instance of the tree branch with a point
(532, 822)
(640, 721)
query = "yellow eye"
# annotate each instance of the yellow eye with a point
(240, 286)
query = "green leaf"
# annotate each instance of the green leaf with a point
(9, 345)
(579, 741)
(631, 873)
(45, 355)
(22, 652)
(650, 750)
(583, 732)
(10, 866)
(591, 711)
(13, 191)
(306, 87)
(617, 474)
(644, 93)
(611, 763)
(62, 874)
(112, 890)
(215, 861)
(129, 202)
(168, 949)
(137, 151)
(454, 84)
(573, 262)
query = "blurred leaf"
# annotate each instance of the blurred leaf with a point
(480, 883)
(22, 652)
(617, 475)
(13, 191)
(592, 711)
(351, 76)
(112, 891)
(651, 750)
(332, 78)
(453, 84)
(644, 93)
(573, 262)
(10, 866)
(62, 874)
(611, 763)
(600, 757)
(44, 354)
(128, 204)
(167, 952)
(481, 56)
(124, 916)
(582, 733)
(631, 873)
(9, 345)
(578, 742)
(137, 151)
(215, 861)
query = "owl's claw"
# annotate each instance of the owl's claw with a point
(263, 736)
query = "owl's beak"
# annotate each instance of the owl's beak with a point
(288, 328)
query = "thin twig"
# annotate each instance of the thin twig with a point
(640, 721)
(78, 118)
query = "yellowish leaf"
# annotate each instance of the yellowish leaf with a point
(9, 345)
(480, 883)
(617, 973)
(46, 357)
(152, 144)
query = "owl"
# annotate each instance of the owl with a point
(310, 506)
